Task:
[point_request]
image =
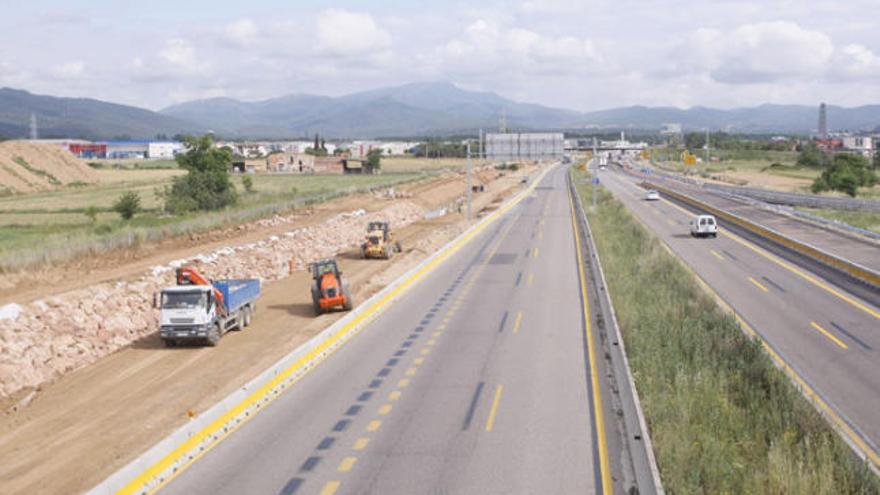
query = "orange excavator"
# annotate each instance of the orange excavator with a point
(190, 276)
(329, 290)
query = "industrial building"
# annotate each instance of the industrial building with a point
(524, 146)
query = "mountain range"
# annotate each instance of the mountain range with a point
(411, 110)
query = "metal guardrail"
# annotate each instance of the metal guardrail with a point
(645, 475)
(796, 199)
(854, 270)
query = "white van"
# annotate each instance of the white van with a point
(704, 226)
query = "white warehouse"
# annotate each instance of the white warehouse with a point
(525, 146)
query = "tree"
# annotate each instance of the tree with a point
(846, 173)
(876, 163)
(811, 156)
(374, 159)
(127, 205)
(206, 186)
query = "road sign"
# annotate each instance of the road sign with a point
(595, 181)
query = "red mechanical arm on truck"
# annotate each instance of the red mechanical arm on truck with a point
(190, 276)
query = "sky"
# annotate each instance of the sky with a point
(581, 55)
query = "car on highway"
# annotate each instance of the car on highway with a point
(652, 195)
(704, 226)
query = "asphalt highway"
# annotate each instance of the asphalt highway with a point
(477, 381)
(828, 337)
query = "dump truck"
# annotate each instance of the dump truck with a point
(380, 241)
(198, 309)
(329, 291)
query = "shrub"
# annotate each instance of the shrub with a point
(127, 205)
(846, 173)
(248, 183)
(92, 213)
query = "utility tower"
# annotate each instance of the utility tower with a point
(823, 121)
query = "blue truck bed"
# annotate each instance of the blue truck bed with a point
(238, 292)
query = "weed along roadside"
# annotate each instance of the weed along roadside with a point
(723, 418)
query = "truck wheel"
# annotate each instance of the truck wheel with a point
(363, 252)
(398, 247)
(247, 316)
(239, 320)
(214, 336)
(170, 342)
(388, 252)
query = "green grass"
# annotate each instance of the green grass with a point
(867, 220)
(45, 227)
(723, 419)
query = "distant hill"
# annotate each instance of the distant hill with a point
(418, 109)
(408, 110)
(763, 118)
(82, 118)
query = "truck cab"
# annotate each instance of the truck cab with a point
(202, 309)
(704, 226)
(187, 312)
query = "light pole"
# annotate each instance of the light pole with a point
(470, 189)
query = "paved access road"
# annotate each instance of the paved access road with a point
(475, 382)
(830, 338)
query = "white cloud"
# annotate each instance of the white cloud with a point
(69, 70)
(242, 33)
(855, 62)
(179, 52)
(343, 33)
(487, 48)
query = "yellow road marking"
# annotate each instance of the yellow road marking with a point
(431, 342)
(541, 234)
(411, 371)
(787, 266)
(384, 409)
(361, 443)
(599, 414)
(346, 464)
(715, 253)
(442, 326)
(418, 360)
(373, 425)
(437, 333)
(330, 488)
(490, 422)
(403, 382)
(426, 350)
(829, 335)
(531, 279)
(670, 222)
(758, 284)
(535, 253)
(394, 395)
(517, 322)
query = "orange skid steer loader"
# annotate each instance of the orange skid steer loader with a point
(329, 291)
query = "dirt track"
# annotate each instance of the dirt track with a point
(91, 422)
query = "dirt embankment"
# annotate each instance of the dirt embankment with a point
(27, 166)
